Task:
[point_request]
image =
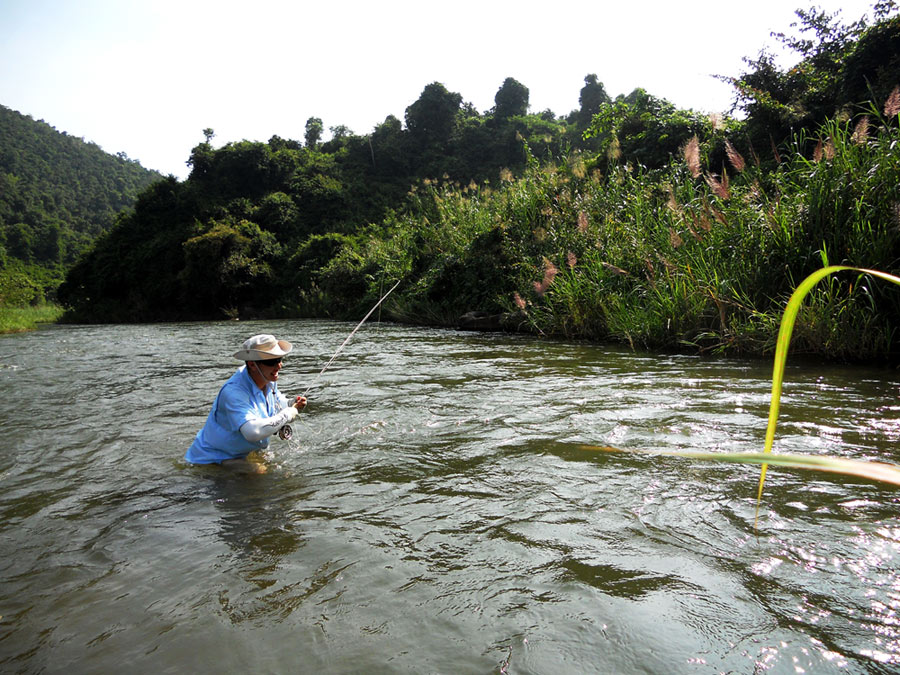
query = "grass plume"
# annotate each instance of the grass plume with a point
(892, 105)
(861, 130)
(734, 157)
(692, 156)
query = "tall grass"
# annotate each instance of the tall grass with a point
(19, 319)
(875, 471)
(688, 257)
(785, 332)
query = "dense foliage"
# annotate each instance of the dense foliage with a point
(232, 238)
(842, 67)
(674, 258)
(57, 194)
(628, 219)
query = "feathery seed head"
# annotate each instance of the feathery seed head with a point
(692, 156)
(614, 151)
(734, 157)
(892, 105)
(720, 190)
(675, 239)
(582, 222)
(861, 131)
(550, 272)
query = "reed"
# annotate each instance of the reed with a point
(692, 156)
(788, 321)
(734, 157)
(892, 104)
(688, 257)
(875, 471)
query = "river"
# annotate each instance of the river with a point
(435, 511)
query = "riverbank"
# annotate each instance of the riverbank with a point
(698, 256)
(21, 319)
(677, 259)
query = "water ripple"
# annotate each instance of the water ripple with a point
(436, 512)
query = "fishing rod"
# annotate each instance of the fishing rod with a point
(286, 432)
(349, 337)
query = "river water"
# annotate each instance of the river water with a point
(435, 511)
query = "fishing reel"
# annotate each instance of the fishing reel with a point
(285, 433)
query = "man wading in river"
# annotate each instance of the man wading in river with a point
(248, 409)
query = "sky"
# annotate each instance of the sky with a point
(146, 77)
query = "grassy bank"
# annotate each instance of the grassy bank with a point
(19, 319)
(690, 257)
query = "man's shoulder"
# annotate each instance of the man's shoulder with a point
(238, 384)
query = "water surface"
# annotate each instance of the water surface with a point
(435, 512)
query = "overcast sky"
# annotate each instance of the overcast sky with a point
(145, 77)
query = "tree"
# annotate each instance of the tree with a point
(841, 66)
(340, 132)
(644, 129)
(511, 99)
(387, 148)
(432, 118)
(592, 100)
(278, 214)
(208, 134)
(227, 268)
(593, 96)
(871, 69)
(314, 129)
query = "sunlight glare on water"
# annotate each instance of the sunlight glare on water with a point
(435, 511)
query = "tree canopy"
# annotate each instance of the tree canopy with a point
(842, 68)
(511, 99)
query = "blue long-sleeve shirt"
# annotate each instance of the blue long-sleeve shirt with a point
(238, 401)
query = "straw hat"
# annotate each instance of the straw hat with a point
(262, 347)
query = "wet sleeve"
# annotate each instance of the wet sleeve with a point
(262, 427)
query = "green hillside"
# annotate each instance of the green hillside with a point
(57, 194)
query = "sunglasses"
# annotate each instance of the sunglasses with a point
(270, 362)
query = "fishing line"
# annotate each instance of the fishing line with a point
(352, 333)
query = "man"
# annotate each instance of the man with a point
(248, 409)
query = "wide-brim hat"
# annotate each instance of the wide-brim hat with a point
(262, 347)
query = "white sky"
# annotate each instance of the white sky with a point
(145, 77)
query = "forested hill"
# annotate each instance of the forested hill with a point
(57, 194)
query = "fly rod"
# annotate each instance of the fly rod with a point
(349, 337)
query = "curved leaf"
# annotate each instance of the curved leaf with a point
(784, 340)
(876, 471)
